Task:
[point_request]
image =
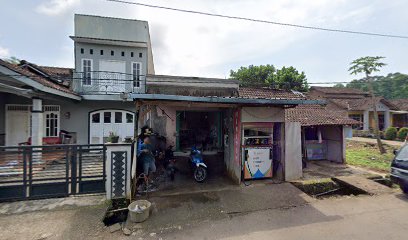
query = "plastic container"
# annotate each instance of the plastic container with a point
(139, 211)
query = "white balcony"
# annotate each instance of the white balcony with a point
(107, 83)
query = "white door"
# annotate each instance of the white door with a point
(112, 76)
(17, 126)
(102, 122)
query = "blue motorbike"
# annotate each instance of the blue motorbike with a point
(199, 167)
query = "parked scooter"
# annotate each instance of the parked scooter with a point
(199, 167)
(170, 162)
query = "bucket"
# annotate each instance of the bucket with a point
(139, 211)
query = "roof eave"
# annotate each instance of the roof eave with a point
(26, 80)
(249, 101)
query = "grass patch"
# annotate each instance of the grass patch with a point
(367, 155)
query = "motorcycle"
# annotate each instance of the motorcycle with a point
(199, 167)
(170, 162)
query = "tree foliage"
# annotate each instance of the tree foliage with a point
(366, 65)
(12, 60)
(392, 86)
(288, 78)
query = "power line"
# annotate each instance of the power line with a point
(262, 21)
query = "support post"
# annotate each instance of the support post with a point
(387, 122)
(366, 120)
(37, 122)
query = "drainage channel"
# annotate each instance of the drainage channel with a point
(326, 188)
(116, 212)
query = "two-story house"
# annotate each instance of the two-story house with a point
(113, 89)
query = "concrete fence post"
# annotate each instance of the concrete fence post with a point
(118, 167)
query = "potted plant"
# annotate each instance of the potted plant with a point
(113, 138)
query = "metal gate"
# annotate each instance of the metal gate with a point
(34, 172)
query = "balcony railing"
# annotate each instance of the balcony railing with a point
(101, 82)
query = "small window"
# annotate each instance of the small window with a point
(131, 54)
(129, 118)
(96, 118)
(123, 54)
(82, 51)
(91, 51)
(140, 55)
(112, 53)
(101, 52)
(118, 117)
(107, 117)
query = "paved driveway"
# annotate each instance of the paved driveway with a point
(374, 141)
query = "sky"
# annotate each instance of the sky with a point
(194, 45)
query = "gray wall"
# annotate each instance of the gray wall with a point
(79, 115)
(293, 151)
(334, 137)
(2, 113)
(233, 168)
(111, 28)
(96, 56)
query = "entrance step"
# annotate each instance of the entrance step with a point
(364, 184)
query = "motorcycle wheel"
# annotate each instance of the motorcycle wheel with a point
(200, 174)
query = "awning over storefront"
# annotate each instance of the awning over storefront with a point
(228, 100)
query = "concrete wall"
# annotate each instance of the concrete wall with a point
(2, 118)
(96, 56)
(111, 28)
(2, 112)
(262, 114)
(293, 151)
(233, 168)
(334, 136)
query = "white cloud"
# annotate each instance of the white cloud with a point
(4, 52)
(55, 7)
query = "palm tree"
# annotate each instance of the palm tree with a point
(368, 65)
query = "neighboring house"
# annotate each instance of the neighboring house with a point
(357, 105)
(324, 131)
(401, 120)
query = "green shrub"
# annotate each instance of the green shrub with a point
(402, 133)
(391, 133)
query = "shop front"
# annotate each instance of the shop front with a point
(261, 142)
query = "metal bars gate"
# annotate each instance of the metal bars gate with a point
(34, 172)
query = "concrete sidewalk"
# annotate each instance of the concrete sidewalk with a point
(374, 141)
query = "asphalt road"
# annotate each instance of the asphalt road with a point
(358, 217)
(363, 217)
